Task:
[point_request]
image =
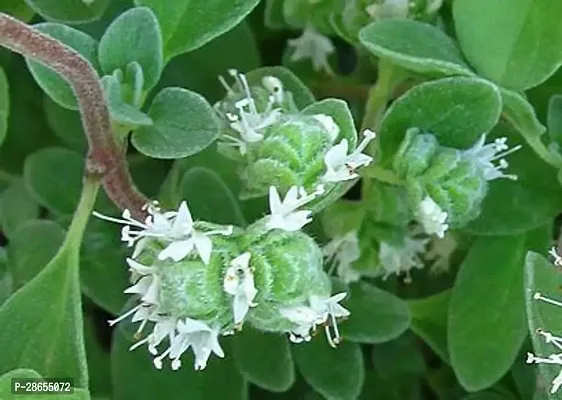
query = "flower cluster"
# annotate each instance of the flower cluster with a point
(176, 261)
(446, 186)
(280, 145)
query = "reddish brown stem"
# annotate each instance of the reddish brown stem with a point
(104, 156)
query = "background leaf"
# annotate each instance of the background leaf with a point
(487, 303)
(187, 25)
(460, 111)
(54, 177)
(184, 124)
(16, 207)
(133, 37)
(336, 374)
(69, 11)
(527, 51)
(209, 198)
(264, 359)
(134, 376)
(51, 83)
(378, 316)
(31, 247)
(43, 323)
(6, 387)
(414, 45)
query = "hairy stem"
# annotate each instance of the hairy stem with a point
(105, 158)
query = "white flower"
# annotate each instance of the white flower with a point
(239, 282)
(395, 259)
(557, 259)
(389, 9)
(320, 310)
(248, 122)
(304, 318)
(343, 251)
(329, 124)
(433, 6)
(314, 46)
(342, 167)
(432, 217)
(172, 227)
(202, 338)
(284, 214)
(486, 154)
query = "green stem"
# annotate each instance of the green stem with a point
(381, 174)
(379, 96)
(83, 211)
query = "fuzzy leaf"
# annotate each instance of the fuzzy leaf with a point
(183, 124)
(120, 111)
(377, 316)
(555, 119)
(43, 322)
(336, 374)
(69, 11)
(209, 198)
(415, 46)
(487, 302)
(264, 359)
(133, 37)
(31, 247)
(16, 207)
(51, 83)
(460, 111)
(429, 321)
(54, 177)
(187, 24)
(527, 51)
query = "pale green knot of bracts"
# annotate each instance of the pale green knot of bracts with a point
(446, 186)
(280, 146)
(196, 281)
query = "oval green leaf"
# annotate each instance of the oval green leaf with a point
(17, 206)
(209, 198)
(264, 359)
(187, 25)
(54, 177)
(133, 37)
(526, 52)
(486, 303)
(43, 322)
(69, 11)
(51, 83)
(183, 124)
(456, 110)
(415, 46)
(31, 247)
(334, 373)
(376, 316)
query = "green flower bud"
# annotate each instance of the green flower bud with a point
(288, 269)
(291, 153)
(415, 153)
(446, 184)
